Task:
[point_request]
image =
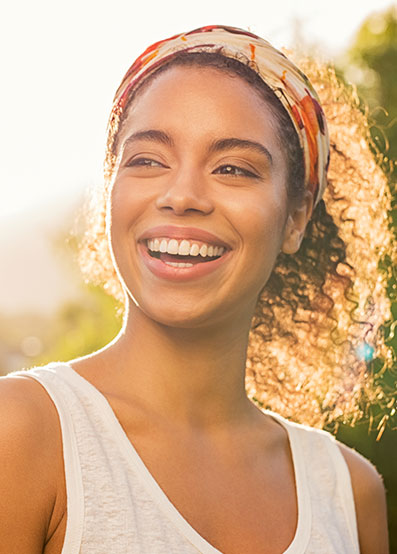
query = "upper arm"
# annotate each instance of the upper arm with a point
(27, 472)
(370, 503)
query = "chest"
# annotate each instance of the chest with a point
(238, 502)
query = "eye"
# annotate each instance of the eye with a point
(144, 162)
(234, 171)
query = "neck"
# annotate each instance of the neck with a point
(192, 376)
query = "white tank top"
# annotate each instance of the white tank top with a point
(115, 506)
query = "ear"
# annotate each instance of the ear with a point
(295, 227)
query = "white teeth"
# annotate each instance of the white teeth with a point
(184, 248)
(172, 247)
(194, 250)
(179, 264)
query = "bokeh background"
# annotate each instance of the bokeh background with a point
(61, 63)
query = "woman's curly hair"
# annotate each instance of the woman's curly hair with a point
(320, 318)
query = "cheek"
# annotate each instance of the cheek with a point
(259, 218)
(263, 222)
(116, 219)
(126, 204)
(272, 232)
(122, 212)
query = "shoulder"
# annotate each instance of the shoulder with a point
(370, 502)
(367, 485)
(30, 461)
(26, 410)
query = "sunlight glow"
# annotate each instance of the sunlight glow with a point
(64, 62)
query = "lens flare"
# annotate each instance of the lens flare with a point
(365, 352)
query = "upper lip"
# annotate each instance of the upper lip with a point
(187, 233)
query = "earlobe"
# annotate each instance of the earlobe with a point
(296, 225)
(292, 241)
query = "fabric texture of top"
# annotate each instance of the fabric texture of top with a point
(114, 505)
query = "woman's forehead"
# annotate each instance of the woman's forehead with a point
(199, 96)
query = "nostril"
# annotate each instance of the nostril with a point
(181, 210)
(181, 199)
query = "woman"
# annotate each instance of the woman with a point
(216, 164)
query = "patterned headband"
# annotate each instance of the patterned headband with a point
(291, 86)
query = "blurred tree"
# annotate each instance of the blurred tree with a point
(93, 319)
(371, 64)
(82, 327)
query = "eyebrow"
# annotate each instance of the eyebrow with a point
(230, 143)
(156, 135)
(153, 135)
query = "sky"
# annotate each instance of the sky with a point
(61, 64)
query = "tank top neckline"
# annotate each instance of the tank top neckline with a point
(303, 528)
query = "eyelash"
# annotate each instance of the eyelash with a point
(143, 163)
(241, 172)
(237, 171)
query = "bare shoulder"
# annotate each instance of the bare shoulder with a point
(30, 461)
(26, 411)
(370, 502)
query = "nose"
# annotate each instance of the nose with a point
(185, 192)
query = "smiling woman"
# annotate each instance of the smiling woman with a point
(242, 277)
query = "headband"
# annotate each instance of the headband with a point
(290, 85)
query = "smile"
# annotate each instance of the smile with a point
(162, 258)
(183, 253)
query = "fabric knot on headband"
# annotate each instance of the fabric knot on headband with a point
(290, 85)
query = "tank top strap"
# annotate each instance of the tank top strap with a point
(344, 484)
(48, 377)
(329, 483)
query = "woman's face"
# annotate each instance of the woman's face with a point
(198, 210)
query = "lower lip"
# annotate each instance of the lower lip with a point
(163, 271)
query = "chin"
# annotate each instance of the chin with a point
(179, 313)
(182, 317)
